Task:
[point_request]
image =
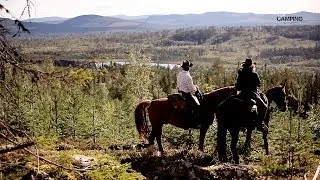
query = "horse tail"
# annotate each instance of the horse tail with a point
(141, 120)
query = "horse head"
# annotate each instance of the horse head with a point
(278, 95)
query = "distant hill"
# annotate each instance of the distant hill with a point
(91, 21)
(50, 20)
(131, 17)
(95, 23)
(232, 19)
(83, 24)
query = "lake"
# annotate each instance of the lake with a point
(102, 64)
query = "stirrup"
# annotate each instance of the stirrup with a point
(254, 108)
(262, 126)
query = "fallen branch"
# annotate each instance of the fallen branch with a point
(305, 175)
(43, 159)
(20, 146)
(316, 174)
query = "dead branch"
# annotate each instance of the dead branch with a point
(315, 177)
(21, 146)
(42, 158)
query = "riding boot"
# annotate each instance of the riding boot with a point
(251, 105)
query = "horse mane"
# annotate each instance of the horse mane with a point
(221, 90)
(273, 89)
(215, 97)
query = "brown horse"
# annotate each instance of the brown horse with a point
(232, 115)
(161, 111)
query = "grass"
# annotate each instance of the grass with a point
(289, 156)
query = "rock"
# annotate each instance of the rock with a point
(129, 170)
(83, 162)
(184, 165)
(33, 174)
(225, 171)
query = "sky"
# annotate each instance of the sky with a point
(72, 8)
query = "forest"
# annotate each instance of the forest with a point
(89, 111)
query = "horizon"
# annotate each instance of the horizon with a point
(56, 16)
(74, 8)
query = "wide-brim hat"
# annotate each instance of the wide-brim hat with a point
(247, 63)
(186, 63)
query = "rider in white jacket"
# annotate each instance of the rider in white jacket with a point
(188, 90)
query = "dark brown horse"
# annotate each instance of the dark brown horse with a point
(232, 115)
(160, 112)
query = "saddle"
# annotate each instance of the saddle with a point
(180, 102)
(177, 101)
(187, 106)
(250, 102)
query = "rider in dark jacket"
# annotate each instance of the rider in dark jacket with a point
(248, 82)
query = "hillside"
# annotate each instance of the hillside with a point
(231, 19)
(95, 23)
(49, 20)
(270, 44)
(80, 24)
(91, 21)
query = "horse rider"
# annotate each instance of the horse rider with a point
(248, 82)
(188, 90)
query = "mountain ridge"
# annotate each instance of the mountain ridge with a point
(97, 23)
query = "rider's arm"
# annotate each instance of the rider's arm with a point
(191, 87)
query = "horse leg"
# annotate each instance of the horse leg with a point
(265, 140)
(151, 138)
(265, 134)
(234, 141)
(221, 142)
(203, 132)
(158, 134)
(247, 144)
(189, 140)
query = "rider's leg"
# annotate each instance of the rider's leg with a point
(262, 110)
(189, 107)
(247, 96)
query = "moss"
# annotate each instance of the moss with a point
(108, 167)
(47, 143)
